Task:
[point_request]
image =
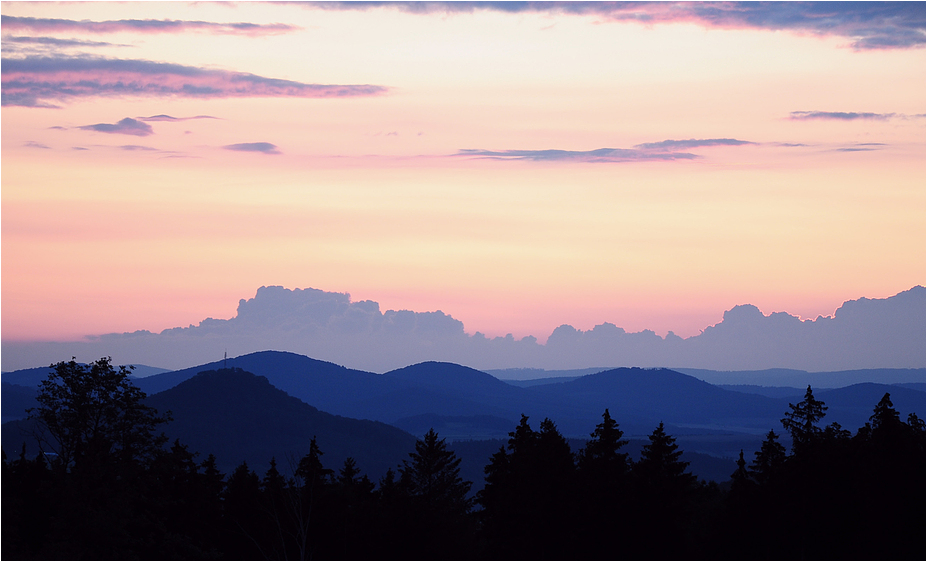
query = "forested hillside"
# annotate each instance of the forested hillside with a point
(115, 487)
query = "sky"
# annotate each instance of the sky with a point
(516, 166)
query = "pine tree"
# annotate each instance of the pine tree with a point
(437, 498)
(740, 477)
(659, 464)
(601, 456)
(433, 476)
(884, 417)
(768, 460)
(604, 491)
(915, 423)
(529, 498)
(243, 515)
(664, 496)
(554, 456)
(310, 469)
(800, 421)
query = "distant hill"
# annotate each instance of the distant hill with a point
(34, 377)
(468, 403)
(456, 428)
(922, 386)
(463, 400)
(769, 391)
(801, 379)
(16, 400)
(535, 382)
(286, 399)
(641, 398)
(525, 375)
(851, 406)
(239, 416)
(359, 394)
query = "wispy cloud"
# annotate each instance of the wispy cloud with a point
(263, 147)
(171, 119)
(599, 155)
(46, 25)
(862, 147)
(839, 115)
(127, 126)
(690, 143)
(868, 25)
(41, 81)
(663, 150)
(137, 147)
(56, 42)
(33, 144)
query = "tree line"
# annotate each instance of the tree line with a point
(111, 487)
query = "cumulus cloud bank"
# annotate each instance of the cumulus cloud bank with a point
(864, 333)
(37, 81)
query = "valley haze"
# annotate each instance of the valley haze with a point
(862, 334)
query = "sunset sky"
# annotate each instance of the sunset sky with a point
(516, 166)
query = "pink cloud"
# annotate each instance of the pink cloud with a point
(869, 25)
(127, 126)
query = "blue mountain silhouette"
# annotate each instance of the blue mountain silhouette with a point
(239, 416)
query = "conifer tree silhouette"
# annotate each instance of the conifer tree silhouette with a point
(801, 419)
(768, 459)
(438, 499)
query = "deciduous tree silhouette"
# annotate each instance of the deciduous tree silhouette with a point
(94, 415)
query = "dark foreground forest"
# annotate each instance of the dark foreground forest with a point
(115, 488)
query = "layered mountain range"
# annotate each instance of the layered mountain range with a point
(270, 404)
